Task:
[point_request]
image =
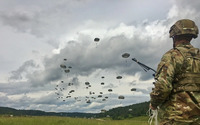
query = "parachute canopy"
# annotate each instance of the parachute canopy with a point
(71, 91)
(103, 111)
(119, 77)
(63, 66)
(121, 97)
(88, 101)
(87, 83)
(133, 89)
(99, 96)
(67, 71)
(109, 90)
(96, 39)
(125, 55)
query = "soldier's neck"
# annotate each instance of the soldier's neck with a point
(181, 42)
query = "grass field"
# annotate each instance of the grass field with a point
(51, 120)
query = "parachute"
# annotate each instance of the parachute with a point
(119, 77)
(103, 99)
(133, 89)
(121, 97)
(125, 55)
(71, 91)
(69, 84)
(88, 101)
(63, 66)
(87, 83)
(96, 39)
(109, 90)
(67, 71)
(99, 96)
(103, 111)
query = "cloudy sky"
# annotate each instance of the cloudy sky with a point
(38, 36)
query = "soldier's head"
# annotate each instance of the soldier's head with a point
(184, 29)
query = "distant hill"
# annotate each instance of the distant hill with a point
(12, 111)
(130, 111)
(134, 110)
(15, 112)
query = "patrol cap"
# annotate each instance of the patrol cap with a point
(184, 26)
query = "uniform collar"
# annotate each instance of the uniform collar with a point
(187, 45)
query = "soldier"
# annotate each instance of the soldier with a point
(177, 88)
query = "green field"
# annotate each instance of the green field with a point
(51, 120)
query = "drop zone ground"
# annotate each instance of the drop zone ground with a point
(53, 120)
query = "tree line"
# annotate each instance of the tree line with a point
(118, 113)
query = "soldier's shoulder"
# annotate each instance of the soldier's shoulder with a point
(171, 54)
(172, 51)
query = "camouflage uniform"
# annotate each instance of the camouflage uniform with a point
(177, 87)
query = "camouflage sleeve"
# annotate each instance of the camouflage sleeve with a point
(164, 77)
